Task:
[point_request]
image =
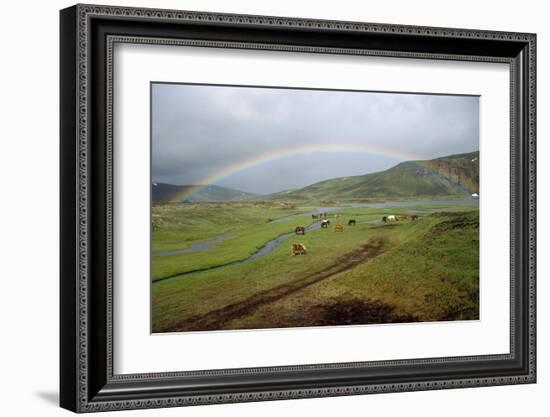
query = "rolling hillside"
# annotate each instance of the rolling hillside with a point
(169, 193)
(454, 175)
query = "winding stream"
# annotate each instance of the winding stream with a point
(273, 244)
(269, 247)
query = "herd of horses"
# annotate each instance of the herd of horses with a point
(300, 248)
(301, 230)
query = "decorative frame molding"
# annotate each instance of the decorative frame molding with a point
(87, 194)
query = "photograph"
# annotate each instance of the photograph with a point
(277, 207)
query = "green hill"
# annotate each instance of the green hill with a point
(454, 175)
(169, 193)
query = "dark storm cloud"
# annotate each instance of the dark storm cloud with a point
(199, 130)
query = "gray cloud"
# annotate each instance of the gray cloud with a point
(199, 130)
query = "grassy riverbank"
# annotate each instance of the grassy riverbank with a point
(406, 271)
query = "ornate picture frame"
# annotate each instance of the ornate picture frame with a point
(87, 36)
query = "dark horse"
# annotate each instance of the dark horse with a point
(414, 217)
(300, 230)
(351, 222)
(325, 223)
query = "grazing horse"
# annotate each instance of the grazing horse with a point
(298, 249)
(325, 223)
(338, 228)
(314, 216)
(406, 217)
(300, 230)
(337, 215)
(324, 215)
(351, 222)
(387, 219)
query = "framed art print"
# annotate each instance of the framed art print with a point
(259, 208)
(316, 173)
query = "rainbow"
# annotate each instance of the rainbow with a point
(259, 159)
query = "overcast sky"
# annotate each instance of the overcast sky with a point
(200, 133)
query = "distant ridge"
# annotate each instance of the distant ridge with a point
(453, 175)
(169, 193)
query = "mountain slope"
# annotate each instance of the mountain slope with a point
(454, 175)
(164, 193)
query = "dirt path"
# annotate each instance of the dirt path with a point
(217, 319)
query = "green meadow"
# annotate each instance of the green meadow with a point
(207, 274)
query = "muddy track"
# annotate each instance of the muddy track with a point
(217, 319)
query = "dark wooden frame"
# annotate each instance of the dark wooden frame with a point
(87, 34)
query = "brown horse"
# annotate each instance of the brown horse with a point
(399, 217)
(404, 217)
(298, 249)
(300, 230)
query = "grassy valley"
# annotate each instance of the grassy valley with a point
(221, 258)
(422, 270)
